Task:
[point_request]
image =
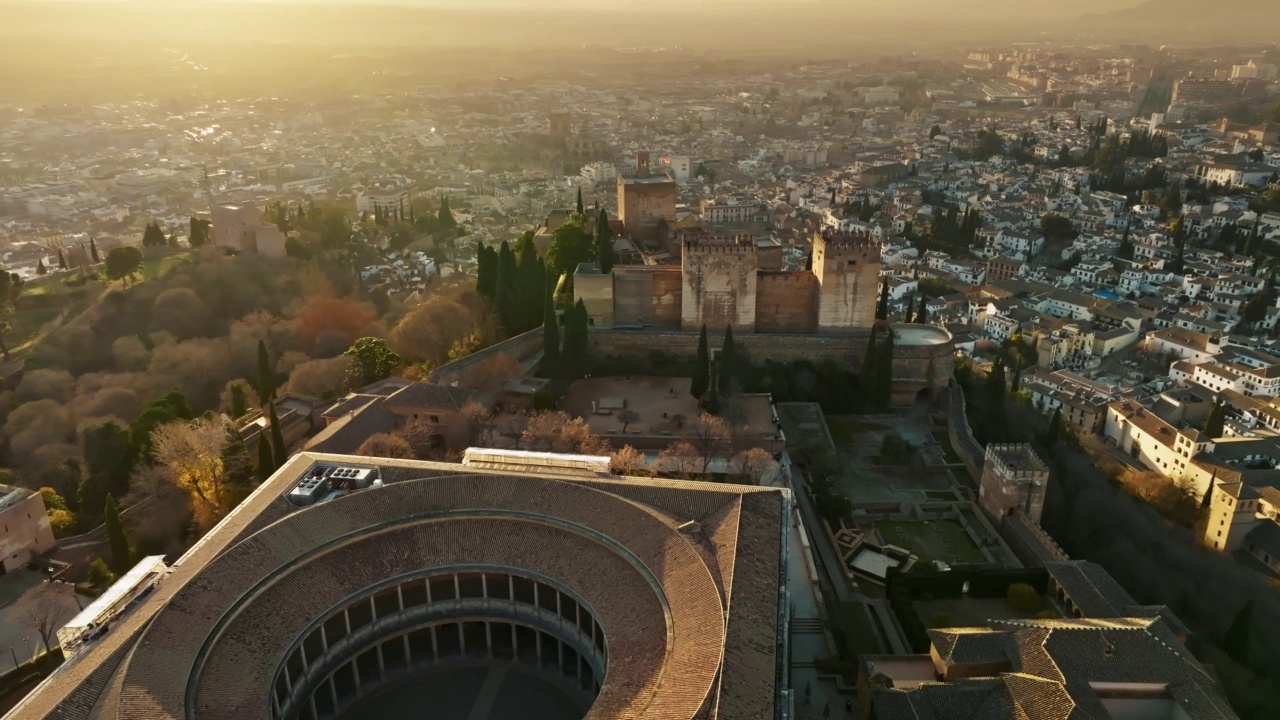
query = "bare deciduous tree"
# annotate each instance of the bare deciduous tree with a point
(494, 373)
(557, 432)
(424, 439)
(752, 465)
(479, 424)
(680, 459)
(627, 461)
(543, 429)
(626, 417)
(710, 437)
(45, 614)
(386, 445)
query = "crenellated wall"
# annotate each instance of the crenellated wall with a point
(916, 367)
(647, 295)
(848, 270)
(719, 284)
(786, 302)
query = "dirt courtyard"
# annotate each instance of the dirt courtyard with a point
(664, 406)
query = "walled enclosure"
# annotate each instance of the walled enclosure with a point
(917, 365)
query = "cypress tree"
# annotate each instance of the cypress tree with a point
(238, 405)
(996, 391)
(116, 538)
(701, 367)
(604, 243)
(867, 378)
(1207, 500)
(62, 260)
(728, 360)
(550, 332)
(93, 251)
(532, 274)
(884, 374)
(1215, 423)
(1236, 642)
(580, 339)
(580, 206)
(40, 268)
(882, 308)
(266, 457)
(570, 343)
(922, 315)
(445, 215)
(1055, 431)
(266, 377)
(280, 453)
(486, 270)
(507, 287)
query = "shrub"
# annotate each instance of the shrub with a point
(62, 522)
(1022, 597)
(896, 449)
(542, 400)
(99, 574)
(940, 619)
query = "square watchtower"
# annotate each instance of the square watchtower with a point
(847, 266)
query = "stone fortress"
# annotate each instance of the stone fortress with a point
(821, 314)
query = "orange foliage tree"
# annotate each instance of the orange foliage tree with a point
(324, 314)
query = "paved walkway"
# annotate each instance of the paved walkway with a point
(815, 697)
(25, 593)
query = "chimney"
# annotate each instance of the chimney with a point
(642, 164)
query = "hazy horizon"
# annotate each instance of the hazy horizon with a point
(106, 48)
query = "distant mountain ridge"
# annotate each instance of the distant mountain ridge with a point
(1182, 11)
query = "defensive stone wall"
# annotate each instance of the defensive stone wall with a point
(961, 436)
(519, 348)
(916, 368)
(787, 302)
(719, 283)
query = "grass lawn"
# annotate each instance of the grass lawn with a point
(844, 431)
(156, 267)
(941, 540)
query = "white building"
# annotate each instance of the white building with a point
(25, 524)
(1139, 432)
(1234, 171)
(681, 168)
(385, 198)
(884, 95)
(598, 173)
(722, 210)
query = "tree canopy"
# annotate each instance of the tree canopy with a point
(123, 262)
(571, 245)
(374, 361)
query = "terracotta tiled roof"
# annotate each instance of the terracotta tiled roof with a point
(431, 395)
(691, 616)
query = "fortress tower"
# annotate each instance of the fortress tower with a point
(645, 200)
(847, 266)
(718, 285)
